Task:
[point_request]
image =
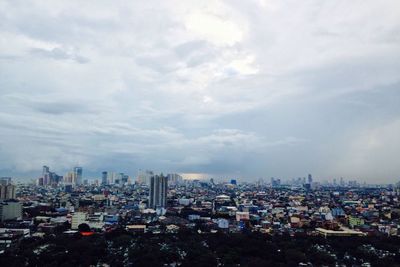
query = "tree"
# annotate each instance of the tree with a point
(84, 227)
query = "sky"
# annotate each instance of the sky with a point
(238, 89)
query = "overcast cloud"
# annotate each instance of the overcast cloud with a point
(244, 89)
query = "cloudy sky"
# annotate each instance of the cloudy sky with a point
(242, 89)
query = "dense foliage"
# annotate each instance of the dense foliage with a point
(187, 248)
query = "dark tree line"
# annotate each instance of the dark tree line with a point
(187, 248)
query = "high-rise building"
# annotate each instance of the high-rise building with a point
(45, 170)
(49, 178)
(275, 182)
(78, 175)
(39, 181)
(45, 175)
(174, 179)
(7, 190)
(310, 180)
(69, 178)
(124, 178)
(5, 180)
(158, 191)
(144, 177)
(104, 176)
(121, 178)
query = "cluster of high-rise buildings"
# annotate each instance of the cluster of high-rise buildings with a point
(157, 184)
(74, 177)
(108, 178)
(49, 178)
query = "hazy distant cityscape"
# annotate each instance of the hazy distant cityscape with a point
(75, 177)
(115, 177)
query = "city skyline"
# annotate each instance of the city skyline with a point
(224, 88)
(141, 176)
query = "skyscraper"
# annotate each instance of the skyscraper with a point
(69, 178)
(78, 175)
(310, 179)
(144, 177)
(49, 178)
(7, 190)
(46, 175)
(104, 178)
(158, 191)
(5, 180)
(46, 169)
(174, 179)
(125, 179)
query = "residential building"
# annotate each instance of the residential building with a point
(158, 191)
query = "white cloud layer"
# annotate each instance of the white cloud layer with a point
(243, 88)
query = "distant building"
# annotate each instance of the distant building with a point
(7, 190)
(68, 188)
(315, 186)
(69, 178)
(5, 180)
(143, 177)
(346, 232)
(354, 183)
(342, 183)
(122, 178)
(10, 210)
(46, 170)
(39, 181)
(158, 191)
(78, 175)
(310, 180)
(49, 178)
(77, 219)
(136, 228)
(46, 175)
(275, 182)
(174, 179)
(242, 216)
(233, 182)
(104, 177)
